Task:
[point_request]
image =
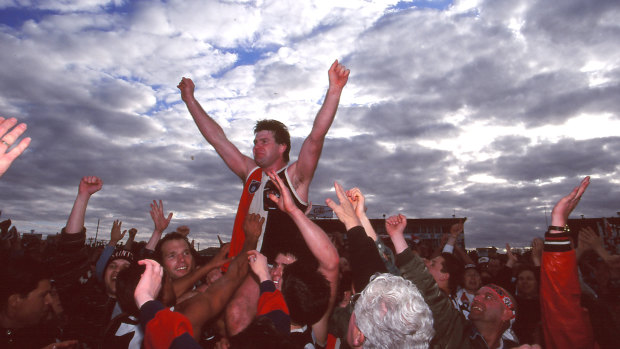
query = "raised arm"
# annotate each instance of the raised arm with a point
(108, 250)
(8, 139)
(319, 244)
(565, 322)
(160, 222)
(88, 186)
(130, 240)
(186, 282)
(364, 257)
(205, 306)
(395, 227)
(313, 145)
(358, 201)
(213, 133)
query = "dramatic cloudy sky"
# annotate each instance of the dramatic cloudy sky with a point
(490, 110)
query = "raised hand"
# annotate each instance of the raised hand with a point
(457, 229)
(357, 199)
(258, 263)
(150, 282)
(566, 205)
(395, 227)
(90, 185)
(253, 226)
(183, 230)
(338, 75)
(187, 89)
(115, 234)
(157, 214)
(8, 139)
(285, 201)
(344, 211)
(512, 259)
(132, 233)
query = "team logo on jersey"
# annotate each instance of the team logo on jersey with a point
(253, 187)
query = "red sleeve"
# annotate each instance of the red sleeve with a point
(565, 322)
(164, 328)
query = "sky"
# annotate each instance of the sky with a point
(490, 110)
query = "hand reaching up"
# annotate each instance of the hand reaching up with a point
(90, 185)
(159, 220)
(8, 139)
(344, 210)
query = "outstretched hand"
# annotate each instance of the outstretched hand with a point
(338, 75)
(8, 139)
(115, 234)
(512, 259)
(345, 211)
(285, 201)
(566, 205)
(150, 282)
(159, 220)
(90, 185)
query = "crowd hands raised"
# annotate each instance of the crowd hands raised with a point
(365, 293)
(121, 296)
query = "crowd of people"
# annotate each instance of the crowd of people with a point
(283, 282)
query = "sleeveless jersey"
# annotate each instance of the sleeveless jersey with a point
(279, 232)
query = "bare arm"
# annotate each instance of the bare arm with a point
(88, 186)
(213, 133)
(395, 227)
(185, 283)
(313, 145)
(319, 244)
(8, 139)
(205, 306)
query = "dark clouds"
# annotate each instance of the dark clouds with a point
(491, 112)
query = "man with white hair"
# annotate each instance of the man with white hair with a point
(390, 312)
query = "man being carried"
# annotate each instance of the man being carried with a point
(271, 153)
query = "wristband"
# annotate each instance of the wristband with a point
(564, 229)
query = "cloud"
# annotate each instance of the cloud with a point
(491, 110)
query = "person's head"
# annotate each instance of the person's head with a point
(495, 265)
(306, 293)
(176, 255)
(271, 142)
(446, 270)
(471, 279)
(390, 313)
(119, 260)
(277, 267)
(493, 306)
(527, 284)
(25, 292)
(126, 283)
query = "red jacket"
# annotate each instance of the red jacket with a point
(565, 322)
